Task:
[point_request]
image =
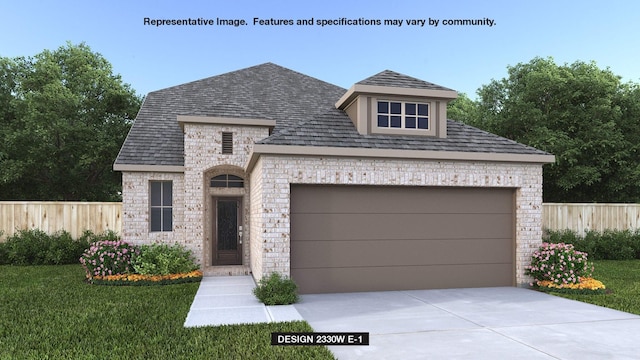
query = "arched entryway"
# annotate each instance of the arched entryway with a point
(226, 216)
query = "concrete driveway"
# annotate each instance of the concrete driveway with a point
(482, 323)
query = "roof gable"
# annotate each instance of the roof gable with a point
(303, 108)
(266, 91)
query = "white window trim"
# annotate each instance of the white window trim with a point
(375, 129)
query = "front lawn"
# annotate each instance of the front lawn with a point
(622, 279)
(49, 312)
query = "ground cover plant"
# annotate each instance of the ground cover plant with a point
(50, 313)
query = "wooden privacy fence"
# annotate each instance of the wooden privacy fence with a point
(583, 217)
(74, 217)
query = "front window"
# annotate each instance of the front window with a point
(403, 115)
(161, 205)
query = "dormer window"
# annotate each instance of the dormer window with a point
(403, 115)
(390, 103)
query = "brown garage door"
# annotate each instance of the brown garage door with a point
(374, 238)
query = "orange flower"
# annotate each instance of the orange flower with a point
(586, 283)
(154, 278)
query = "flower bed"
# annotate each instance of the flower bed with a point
(560, 268)
(145, 280)
(586, 285)
(120, 263)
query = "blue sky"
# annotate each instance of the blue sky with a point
(459, 57)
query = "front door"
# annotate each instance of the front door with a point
(227, 230)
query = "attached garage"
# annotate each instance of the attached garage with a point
(348, 238)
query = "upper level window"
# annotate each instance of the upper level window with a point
(161, 205)
(403, 115)
(227, 180)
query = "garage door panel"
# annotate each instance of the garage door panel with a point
(393, 199)
(340, 227)
(312, 281)
(370, 238)
(317, 254)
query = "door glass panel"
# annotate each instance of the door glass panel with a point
(227, 224)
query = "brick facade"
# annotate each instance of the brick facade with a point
(135, 208)
(270, 200)
(267, 199)
(191, 193)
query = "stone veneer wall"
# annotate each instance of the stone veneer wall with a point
(271, 206)
(135, 208)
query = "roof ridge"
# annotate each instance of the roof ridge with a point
(231, 73)
(395, 79)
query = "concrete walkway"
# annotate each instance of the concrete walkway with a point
(225, 300)
(482, 323)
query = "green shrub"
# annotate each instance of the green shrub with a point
(35, 247)
(162, 259)
(4, 256)
(276, 290)
(615, 245)
(606, 245)
(108, 257)
(89, 236)
(559, 263)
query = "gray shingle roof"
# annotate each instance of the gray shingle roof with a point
(394, 79)
(331, 129)
(266, 91)
(302, 106)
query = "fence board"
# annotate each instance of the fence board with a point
(50, 216)
(583, 217)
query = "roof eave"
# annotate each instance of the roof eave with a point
(188, 119)
(358, 89)
(264, 149)
(148, 168)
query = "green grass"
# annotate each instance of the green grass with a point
(622, 279)
(49, 312)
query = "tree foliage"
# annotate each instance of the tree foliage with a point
(63, 118)
(463, 109)
(582, 114)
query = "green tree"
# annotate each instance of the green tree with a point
(64, 116)
(463, 109)
(583, 115)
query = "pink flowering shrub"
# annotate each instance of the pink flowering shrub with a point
(559, 263)
(108, 257)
